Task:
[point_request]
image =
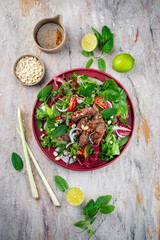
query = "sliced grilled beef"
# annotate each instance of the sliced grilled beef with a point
(91, 125)
(98, 134)
(82, 122)
(65, 137)
(81, 113)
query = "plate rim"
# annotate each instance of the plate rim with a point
(70, 166)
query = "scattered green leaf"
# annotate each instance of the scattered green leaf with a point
(61, 183)
(17, 161)
(44, 93)
(89, 63)
(101, 65)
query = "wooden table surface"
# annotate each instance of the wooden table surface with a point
(134, 179)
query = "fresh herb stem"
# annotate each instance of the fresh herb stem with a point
(49, 189)
(30, 175)
(99, 56)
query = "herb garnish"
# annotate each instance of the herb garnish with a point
(105, 44)
(61, 183)
(17, 161)
(90, 211)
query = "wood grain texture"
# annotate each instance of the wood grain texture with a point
(134, 179)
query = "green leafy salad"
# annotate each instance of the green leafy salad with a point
(83, 119)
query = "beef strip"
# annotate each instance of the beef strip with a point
(85, 133)
(83, 121)
(65, 137)
(100, 128)
(81, 113)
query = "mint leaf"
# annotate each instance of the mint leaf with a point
(124, 140)
(108, 112)
(17, 161)
(44, 93)
(60, 131)
(101, 65)
(61, 183)
(92, 212)
(110, 95)
(92, 221)
(108, 46)
(106, 209)
(99, 37)
(80, 224)
(84, 229)
(110, 84)
(89, 63)
(88, 207)
(91, 53)
(106, 33)
(88, 90)
(85, 53)
(91, 232)
(107, 199)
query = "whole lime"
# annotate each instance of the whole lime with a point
(123, 62)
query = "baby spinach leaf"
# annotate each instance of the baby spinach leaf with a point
(123, 121)
(106, 209)
(44, 93)
(88, 151)
(106, 33)
(80, 224)
(108, 46)
(17, 161)
(108, 112)
(124, 140)
(101, 65)
(87, 91)
(89, 63)
(110, 95)
(110, 84)
(85, 53)
(60, 131)
(61, 183)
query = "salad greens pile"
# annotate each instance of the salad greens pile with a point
(55, 124)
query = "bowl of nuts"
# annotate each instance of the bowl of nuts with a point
(29, 70)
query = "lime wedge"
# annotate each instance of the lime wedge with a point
(89, 42)
(123, 63)
(75, 196)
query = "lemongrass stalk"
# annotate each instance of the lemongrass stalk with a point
(46, 184)
(29, 171)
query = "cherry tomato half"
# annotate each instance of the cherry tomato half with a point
(101, 104)
(72, 104)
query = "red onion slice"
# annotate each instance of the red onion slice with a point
(61, 110)
(110, 104)
(90, 138)
(80, 100)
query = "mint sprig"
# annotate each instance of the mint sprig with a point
(90, 211)
(105, 45)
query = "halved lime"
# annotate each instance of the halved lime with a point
(123, 62)
(75, 196)
(89, 42)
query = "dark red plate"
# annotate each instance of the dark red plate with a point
(96, 164)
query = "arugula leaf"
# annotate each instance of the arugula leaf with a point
(60, 131)
(67, 118)
(49, 125)
(40, 124)
(85, 53)
(80, 224)
(123, 121)
(89, 63)
(40, 114)
(109, 147)
(88, 151)
(101, 65)
(108, 112)
(17, 161)
(106, 33)
(124, 140)
(61, 183)
(108, 46)
(106, 209)
(44, 93)
(84, 76)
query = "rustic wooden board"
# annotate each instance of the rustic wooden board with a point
(134, 179)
